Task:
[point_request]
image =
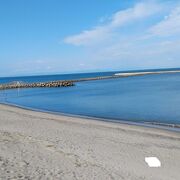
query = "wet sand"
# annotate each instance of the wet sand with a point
(36, 145)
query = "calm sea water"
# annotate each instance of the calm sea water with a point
(149, 98)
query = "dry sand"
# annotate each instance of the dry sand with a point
(36, 145)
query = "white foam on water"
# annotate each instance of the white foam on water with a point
(153, 161)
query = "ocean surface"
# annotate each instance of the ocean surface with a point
(148, 98)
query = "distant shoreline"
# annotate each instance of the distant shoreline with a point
(146, 73)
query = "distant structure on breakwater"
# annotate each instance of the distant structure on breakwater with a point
(67, 83)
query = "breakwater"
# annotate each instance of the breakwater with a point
(16, 85)
(67, 83)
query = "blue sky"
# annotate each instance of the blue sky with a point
(65, 36)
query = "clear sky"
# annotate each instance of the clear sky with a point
(64, 36)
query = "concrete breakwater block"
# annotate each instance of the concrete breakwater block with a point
(16, 85)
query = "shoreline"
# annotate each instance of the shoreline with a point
(156, 125)
(71, 117)
(39, 145)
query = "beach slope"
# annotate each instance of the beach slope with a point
(36, 145)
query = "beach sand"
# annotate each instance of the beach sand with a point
(36, 145)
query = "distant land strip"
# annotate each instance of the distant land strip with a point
(67, 83)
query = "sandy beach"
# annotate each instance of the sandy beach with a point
(36, 145)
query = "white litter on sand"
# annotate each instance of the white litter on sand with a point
(153, 161)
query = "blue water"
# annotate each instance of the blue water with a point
(149, 98)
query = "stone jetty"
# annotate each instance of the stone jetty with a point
(16, 85)
(65, 83)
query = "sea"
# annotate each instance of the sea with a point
(147, 99)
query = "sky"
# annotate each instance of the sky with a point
(69, 36)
